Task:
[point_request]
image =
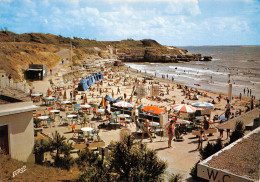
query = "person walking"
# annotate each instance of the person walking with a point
(170, 133)
(9, 78)
(146, 130)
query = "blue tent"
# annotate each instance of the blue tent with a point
(83, 85)
(89, 80)
(107, 97)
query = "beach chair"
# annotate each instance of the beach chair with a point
(50, 122)
(94, 133)
(158, 130)
(76, 130)
(183, 128)
(63, 121)
(129, 121)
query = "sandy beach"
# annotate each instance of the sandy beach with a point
(182, 157)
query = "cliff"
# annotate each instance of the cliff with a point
(17, 51)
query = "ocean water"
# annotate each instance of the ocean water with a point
(241, 62)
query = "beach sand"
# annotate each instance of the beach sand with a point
(182, 157)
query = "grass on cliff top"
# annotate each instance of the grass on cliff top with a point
(17, 51)
(33, 172)
(16, 57)
(8, 36)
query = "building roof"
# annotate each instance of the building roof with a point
(239, 160)
(9, 95)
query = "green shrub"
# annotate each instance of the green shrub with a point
(129, 161)
(206, 151)
(40, 147)
(175, 178)
(61, 148)
(211, 149)
(238, 132)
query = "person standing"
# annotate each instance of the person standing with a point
(228, 107)
(205, 126)
(112, 94)
(170, 133)
(146, 130)
(9, 78)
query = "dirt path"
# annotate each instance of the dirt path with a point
(43, 85)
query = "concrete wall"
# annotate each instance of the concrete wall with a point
(21, 134)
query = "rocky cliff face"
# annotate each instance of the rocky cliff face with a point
(152, 51)
(155, 56)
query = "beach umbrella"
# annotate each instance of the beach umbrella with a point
(123, 104)
(153, 110)
(203, 105)
(65, 95)
(184, 108)
(103, 103)
(85, 99)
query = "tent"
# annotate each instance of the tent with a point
(108, 98)
(83, 85)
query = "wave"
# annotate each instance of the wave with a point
(196, 70)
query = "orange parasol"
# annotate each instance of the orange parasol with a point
(153, 110)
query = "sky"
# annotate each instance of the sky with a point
(170, 22)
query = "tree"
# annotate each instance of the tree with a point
(135, 162)
(206, 151)
(61, 149)
(217, 146)
(211, 149)
(93, 167)
(40, 147)
(238, 132)
(129, 161)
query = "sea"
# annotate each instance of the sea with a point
(236, 65)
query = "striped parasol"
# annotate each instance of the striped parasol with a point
(203, 105)
(184, 108)
(123, 104)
